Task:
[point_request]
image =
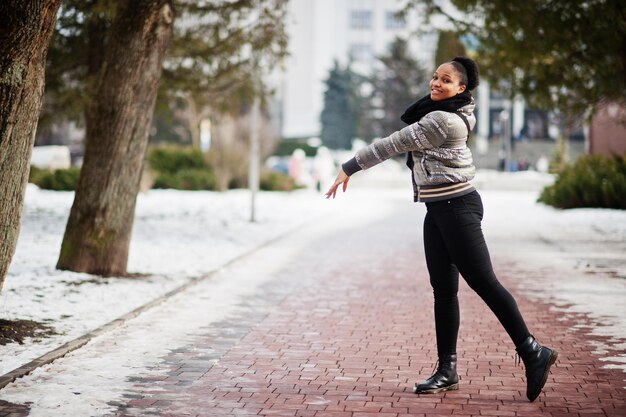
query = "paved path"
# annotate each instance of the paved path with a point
(333, 324)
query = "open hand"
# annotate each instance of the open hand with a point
(342, 178)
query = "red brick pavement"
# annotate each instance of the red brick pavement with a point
(348, 331)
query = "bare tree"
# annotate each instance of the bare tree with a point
(24, 38)
(230, 147)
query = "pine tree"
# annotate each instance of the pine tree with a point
(339, 117)
(401, 81)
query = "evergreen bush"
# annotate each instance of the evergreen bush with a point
(186, 179)
(180, 168)
(592, 181)
(57, 180)
(276, 181)
(187, 169)
(172, 159)
(36, 174)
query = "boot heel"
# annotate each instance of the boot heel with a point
(551, 362)
(537, 361)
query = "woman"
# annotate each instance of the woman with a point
(441, 163)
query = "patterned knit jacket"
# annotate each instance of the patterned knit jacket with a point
(438, 147)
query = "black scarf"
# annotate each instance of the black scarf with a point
(426, 105)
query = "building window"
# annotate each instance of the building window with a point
(361, 52)
(361, 19)
(393, 21)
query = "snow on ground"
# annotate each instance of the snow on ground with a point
(177, 235)
(574, 259)
(577, 257)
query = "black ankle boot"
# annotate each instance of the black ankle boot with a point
(537, 361)
(444, 379)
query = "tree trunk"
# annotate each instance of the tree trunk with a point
(24, 37)
(118, 118)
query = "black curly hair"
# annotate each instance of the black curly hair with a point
(468, 70)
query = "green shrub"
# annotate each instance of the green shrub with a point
(186, 179)
(180, 169)
(171, 159)
(187, 169)
(592, 181)
(58, 180)
(36, 174)
(276, 181)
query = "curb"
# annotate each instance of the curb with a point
(80, 341)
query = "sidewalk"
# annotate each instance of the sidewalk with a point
(334, 320)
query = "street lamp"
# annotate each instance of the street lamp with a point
(506, 136)
(253, 170)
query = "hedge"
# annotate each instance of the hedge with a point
(276, 181)
(176, 168)
(172, 159)
(180, 169)
(58, 180)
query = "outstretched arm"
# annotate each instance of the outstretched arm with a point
(429, 132)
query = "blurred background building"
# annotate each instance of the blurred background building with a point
(323, 31)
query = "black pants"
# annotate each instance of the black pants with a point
(454, 242)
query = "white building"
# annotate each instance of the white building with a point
(321, 31)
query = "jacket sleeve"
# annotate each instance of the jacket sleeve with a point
(430, 132)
